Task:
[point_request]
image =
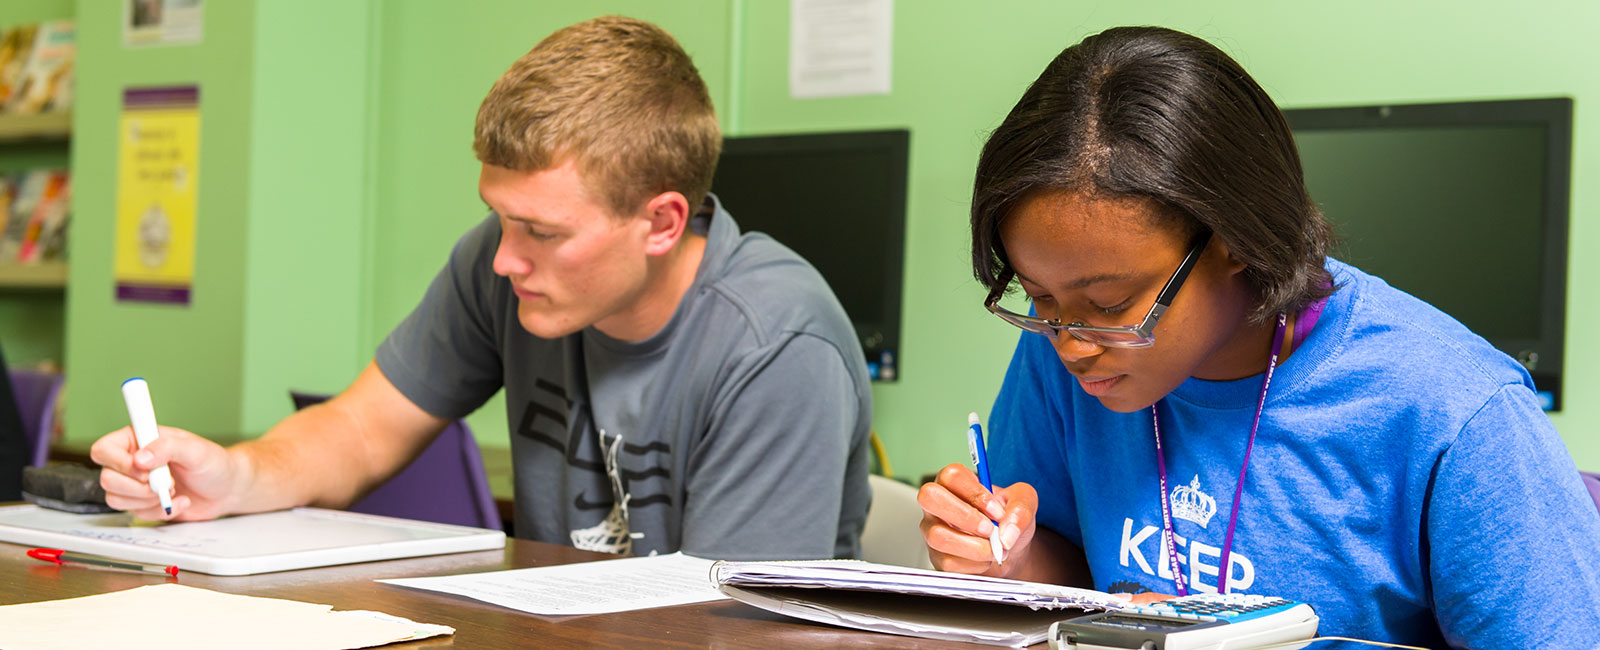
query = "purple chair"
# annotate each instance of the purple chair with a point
(36, 392)
(445, 484)
(1591, 480)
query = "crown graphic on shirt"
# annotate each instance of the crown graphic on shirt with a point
(1188, 502)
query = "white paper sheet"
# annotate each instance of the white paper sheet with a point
(840, 47)
(176, 617)
(588, 588)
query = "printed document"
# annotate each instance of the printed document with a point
(587, 588)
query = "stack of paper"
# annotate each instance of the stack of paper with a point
(907, 601)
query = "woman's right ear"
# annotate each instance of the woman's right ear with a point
(1235, 266)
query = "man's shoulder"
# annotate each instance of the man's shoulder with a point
(776, 291)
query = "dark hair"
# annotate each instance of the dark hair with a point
(1156, 113)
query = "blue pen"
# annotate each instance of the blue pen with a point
(980, 462)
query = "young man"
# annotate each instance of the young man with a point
(664, 374)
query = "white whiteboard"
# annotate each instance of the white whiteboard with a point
(246, 544)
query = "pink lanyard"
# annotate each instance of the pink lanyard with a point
(1238, 492)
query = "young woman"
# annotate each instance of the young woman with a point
(1203, 400)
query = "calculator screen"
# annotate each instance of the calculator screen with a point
(1144, 622)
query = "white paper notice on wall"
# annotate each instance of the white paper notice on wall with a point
(839, 48)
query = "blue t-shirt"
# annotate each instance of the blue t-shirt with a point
(1404, 481)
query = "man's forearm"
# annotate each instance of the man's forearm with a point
(314, 457)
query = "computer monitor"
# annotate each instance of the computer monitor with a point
(839, 200)
(1464, 205)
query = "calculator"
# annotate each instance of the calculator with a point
(1194, 622)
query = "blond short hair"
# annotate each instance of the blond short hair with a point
(618, 95)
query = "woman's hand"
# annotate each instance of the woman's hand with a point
(956, 522)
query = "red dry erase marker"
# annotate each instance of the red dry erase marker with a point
(59, 556)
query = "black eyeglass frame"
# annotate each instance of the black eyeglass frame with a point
(1124, 336)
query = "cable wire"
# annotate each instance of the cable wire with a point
(1304, 642)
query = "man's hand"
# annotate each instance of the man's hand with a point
(204, 474)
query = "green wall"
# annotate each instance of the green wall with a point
(309, 191)
(279, 297)
(191, 355)
(337, 137)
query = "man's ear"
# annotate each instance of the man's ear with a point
(669, 215)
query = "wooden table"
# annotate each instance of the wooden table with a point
(723, 624)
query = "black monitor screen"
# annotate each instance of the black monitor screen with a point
(1449, 214)
(1463, 205)
(839, 200)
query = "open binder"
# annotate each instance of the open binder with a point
(910, 602)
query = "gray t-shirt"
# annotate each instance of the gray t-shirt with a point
(739, 431)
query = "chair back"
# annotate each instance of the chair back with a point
(1591, 480)
(36, 392)
(892, 533)
(446, 483)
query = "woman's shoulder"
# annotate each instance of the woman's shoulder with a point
(1381, 338)
(1397, 328)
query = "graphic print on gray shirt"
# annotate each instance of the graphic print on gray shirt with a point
(739, 431)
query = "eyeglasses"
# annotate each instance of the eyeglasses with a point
(1126, 336)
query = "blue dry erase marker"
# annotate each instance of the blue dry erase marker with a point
(980, 463)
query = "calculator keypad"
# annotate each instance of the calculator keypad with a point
(1210, 607)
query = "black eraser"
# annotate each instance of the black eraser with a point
(65, 486)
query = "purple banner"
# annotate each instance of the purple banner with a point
(153, 293)
(164, 97)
